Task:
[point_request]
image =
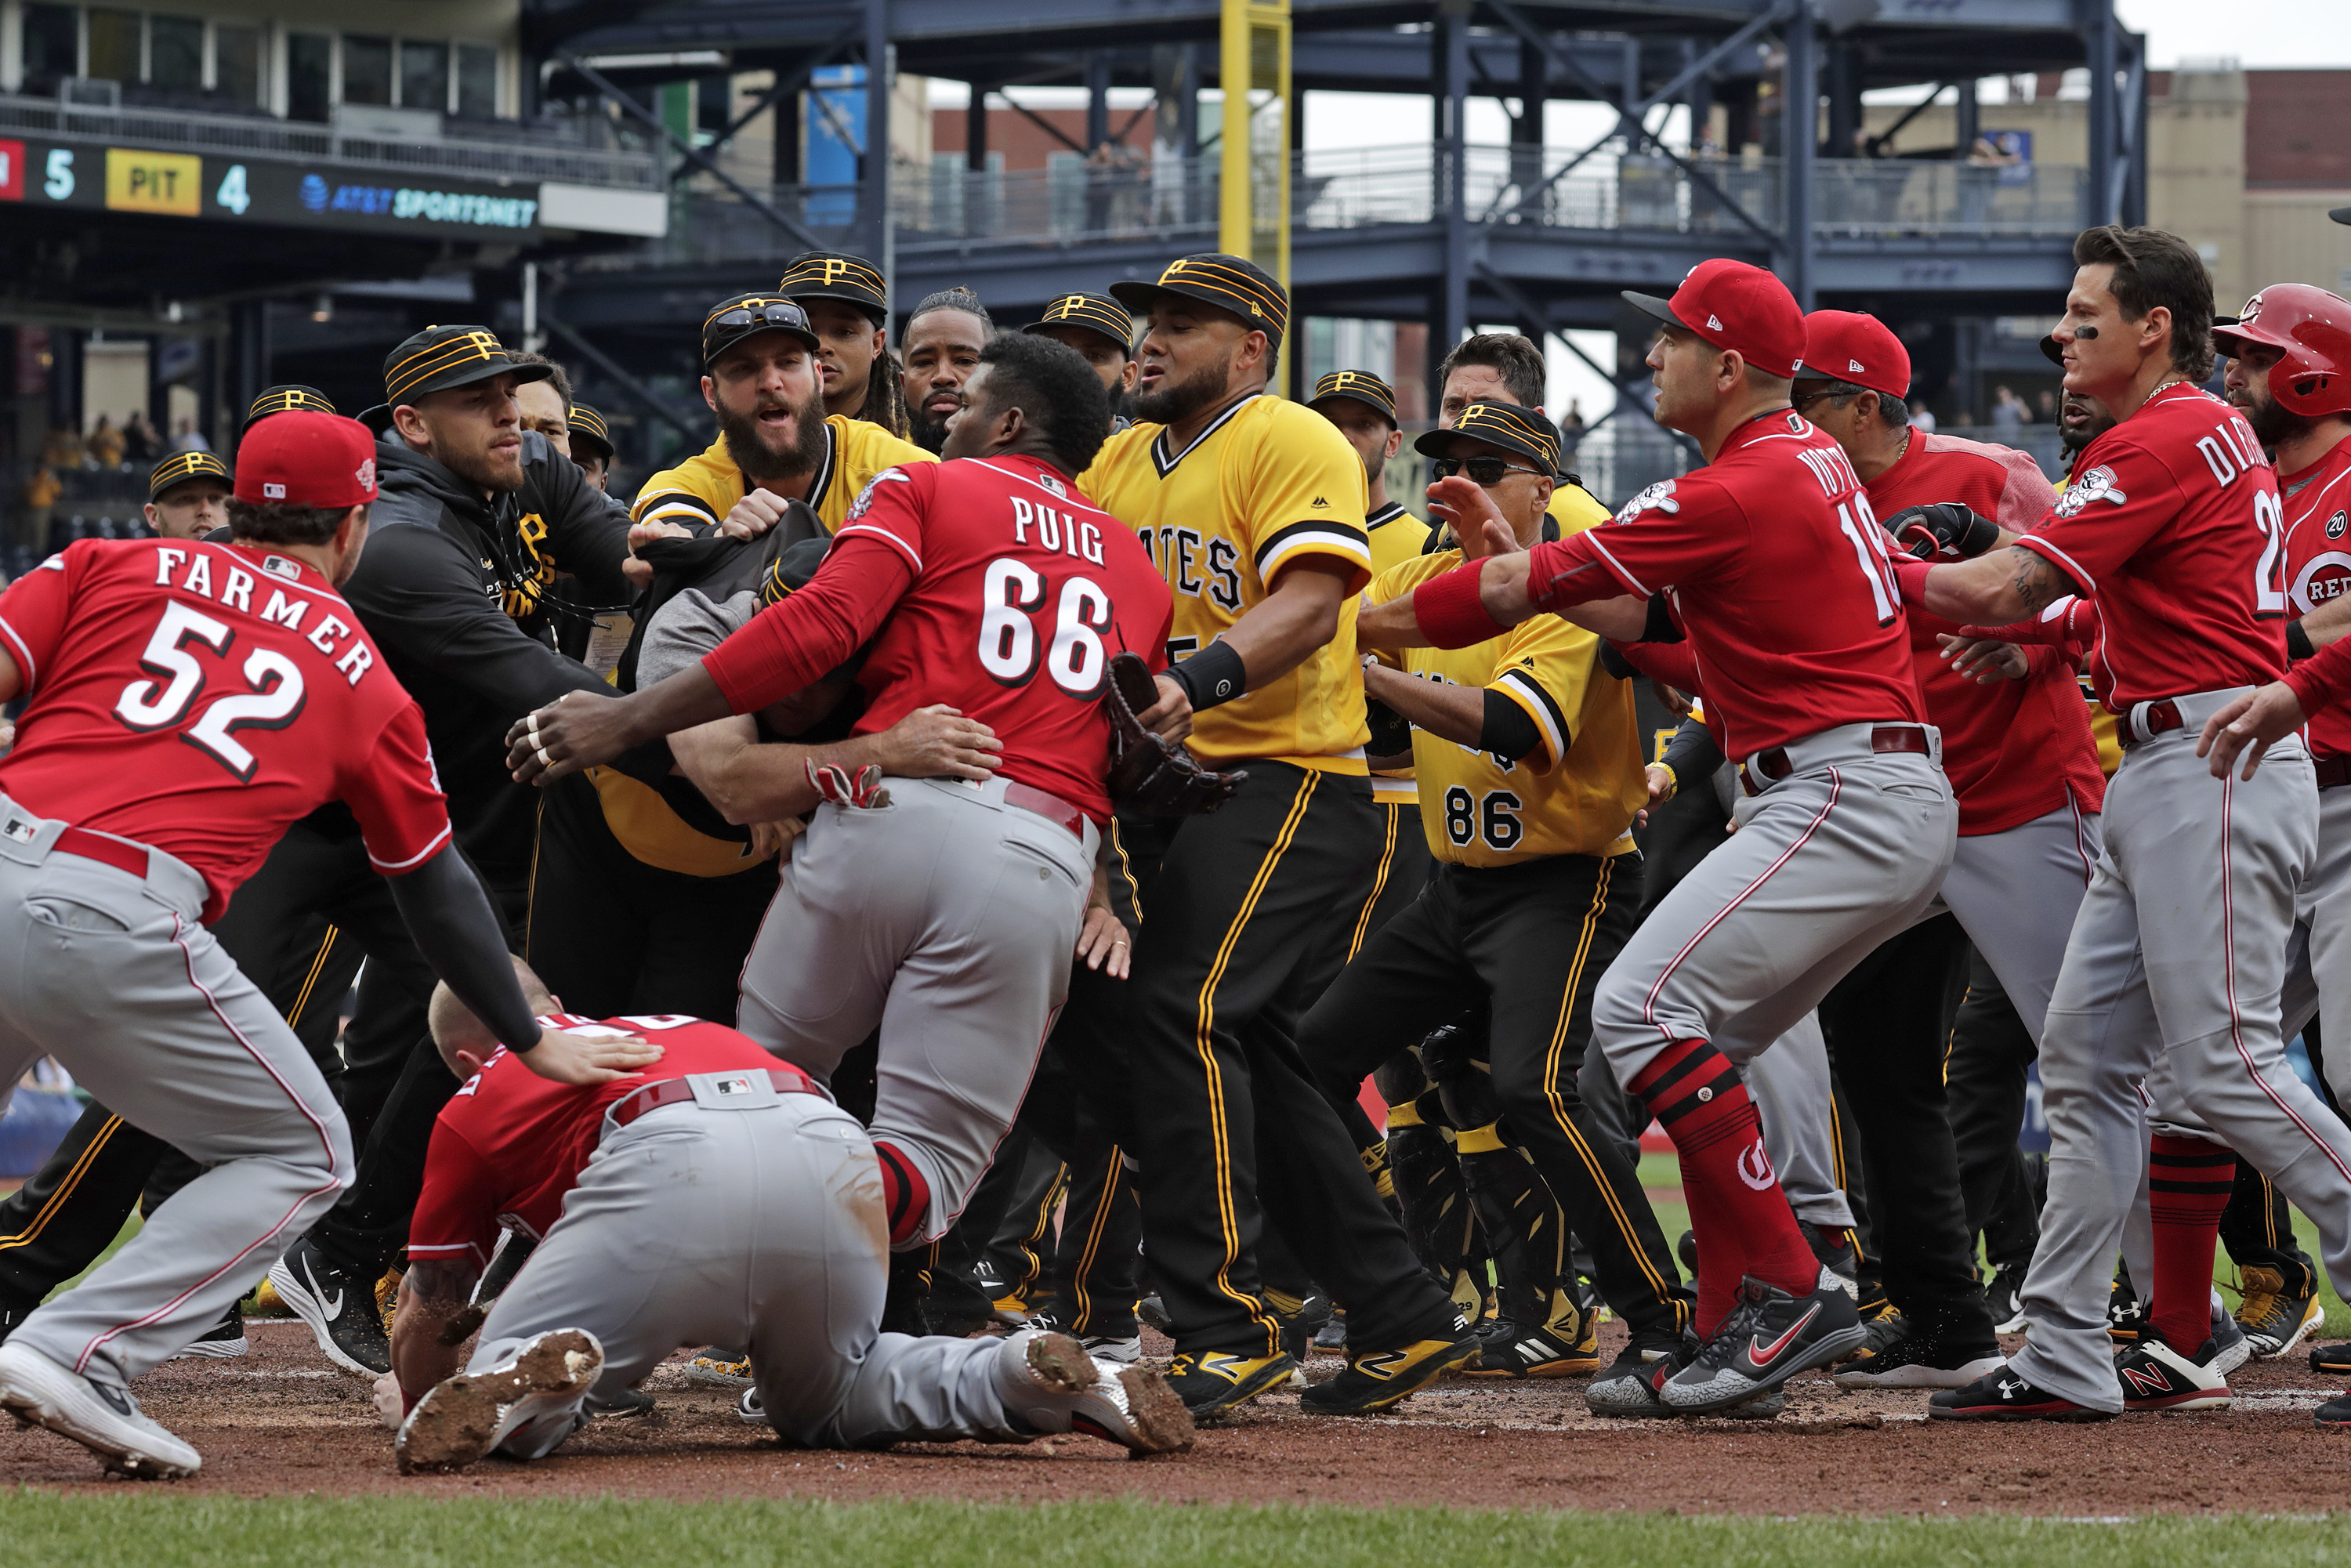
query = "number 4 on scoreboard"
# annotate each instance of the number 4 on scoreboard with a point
(232, 193)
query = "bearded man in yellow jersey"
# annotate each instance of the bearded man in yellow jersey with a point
(1253, 509)
(1529, 762)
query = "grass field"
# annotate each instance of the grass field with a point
(153, 1530)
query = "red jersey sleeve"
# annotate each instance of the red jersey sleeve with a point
(455, 1213)
(2106, 515)
(396, 795)
(1677, 532)
(2025, 493)
(33, 615)
(2324, 679)
(797, 641)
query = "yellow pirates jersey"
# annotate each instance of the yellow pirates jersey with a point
(1268, 484)
(1396, 536)
(1576, 792)
(705, 487)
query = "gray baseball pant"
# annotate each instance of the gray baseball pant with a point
(946, 918)
(1790, 1085)
(2173, 975)
(2318, 960)
(2016, 893)
(111, 974)
(756, 1218)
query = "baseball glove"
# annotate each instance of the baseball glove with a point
(1149, 775)
(1947, 531)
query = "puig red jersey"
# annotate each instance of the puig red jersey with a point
(1777, 572)
(995, 588)
(2173, 522)
(2318, 563)
(197, 698)
(2013, 750)
(511, 1143)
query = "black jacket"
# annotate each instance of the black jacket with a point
(457, 592)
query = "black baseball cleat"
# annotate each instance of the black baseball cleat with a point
(2001, 1396)
(1302, 1318)
(2157, 1377)
(2335, 1413)
(1212, 1381)
(339, 1309)
(2125, 1313)
(1519, 1349)
(14, 1310)
(1834, 1246)
(2331, 1360)
(225, 1338)
(1768, 1337)
(1915, 1363)
(2006, 1299)
(1376, 1380)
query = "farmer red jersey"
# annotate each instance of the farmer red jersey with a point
(197, 698)
(2173, 522)
(2014, 749)
(1777, 572)
(511, 1143)
(996, 588)
(2318, 563)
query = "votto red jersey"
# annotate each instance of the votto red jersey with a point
(1777, 573)
(2014, 750)
(2173, 523)
(987, 583)
(2318, 563)
(198, 698)
(511, 1143)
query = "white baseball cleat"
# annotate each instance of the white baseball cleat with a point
(103, 1419)
(1049, 1383)
(460, 1418)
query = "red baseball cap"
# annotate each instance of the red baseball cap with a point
(1847, 346)
(1737, 307)
(307, 459)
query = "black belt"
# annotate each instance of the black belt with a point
(2161, 719)
(1774, 764)
(674, 1090)
(2334, 772)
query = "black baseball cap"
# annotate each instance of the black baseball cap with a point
(588, 429)
(2340, 215)
(1228, 282)
(1361, 385)
(1504, 424)
(439, 358)
(749, 315)
(182, 466)
(2053, 351)
(1095, 313)
(286, 397)
(837, 275)
(794, 565)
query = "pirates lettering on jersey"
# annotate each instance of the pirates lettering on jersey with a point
(1196, 566)
(174, 570)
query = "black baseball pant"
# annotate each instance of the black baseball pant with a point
(1984, 1074)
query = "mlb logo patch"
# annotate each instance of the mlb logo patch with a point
(736, 1085)
(270, 492)
(22, 830)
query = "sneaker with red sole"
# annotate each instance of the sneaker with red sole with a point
(2003, 1396)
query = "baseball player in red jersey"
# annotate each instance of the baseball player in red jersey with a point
(1770, 562)
(941, 911)
(2173, 969)
(715, 1196)
(188, 701)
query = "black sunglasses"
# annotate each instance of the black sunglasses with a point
(772, 313)
(1481, 470)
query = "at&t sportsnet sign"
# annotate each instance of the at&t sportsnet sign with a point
(410, 204)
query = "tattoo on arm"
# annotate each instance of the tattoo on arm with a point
(2037, 584)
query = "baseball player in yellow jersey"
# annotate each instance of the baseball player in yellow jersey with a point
(1529, 760)
(1253, 509)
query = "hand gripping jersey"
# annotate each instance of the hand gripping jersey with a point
(2013, 750)
(2318, 563)
(511, 1143)
(705, 487)
(996, 588)
(1576, 792)
(2172, 522)
(197, 698)
(1268, 485)
(1774, 565)
(1396, 536)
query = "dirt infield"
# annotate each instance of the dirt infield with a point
(281, 1421)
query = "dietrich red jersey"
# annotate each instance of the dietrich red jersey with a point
(994, 588)
(197, 698)
(2173, 522)
(1777, 572)
(2318, 563)
(511, 1143)
(2013, 750)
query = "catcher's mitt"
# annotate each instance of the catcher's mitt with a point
(1147, 774)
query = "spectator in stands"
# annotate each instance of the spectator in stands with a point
(41, 492)
(105, 443)
(139, 439)
(2047, 404)
(2008, 412)
(546, 405)
(190, 439)
(1922, 418)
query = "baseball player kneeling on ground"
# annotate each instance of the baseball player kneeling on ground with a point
(718, 1196)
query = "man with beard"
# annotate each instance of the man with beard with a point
(941, 348)
(1098, 327)
(848, 303)
(458, 590)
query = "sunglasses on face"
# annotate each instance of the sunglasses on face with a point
(1481, 470)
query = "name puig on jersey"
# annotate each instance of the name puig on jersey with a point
(1180, 556)
(236, 592)
(1060, 531)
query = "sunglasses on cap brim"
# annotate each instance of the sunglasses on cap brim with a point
(741, 316)
(1481, 470)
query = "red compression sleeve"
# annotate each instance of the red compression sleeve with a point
(1450, 613)
(797, 643)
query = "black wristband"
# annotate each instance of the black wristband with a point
(1215, 675)
(2297, 641)
(1660, 627)
(1613, 660)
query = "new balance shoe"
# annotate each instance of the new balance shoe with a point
(1376, 1380)
(2005, 1297)
(1049, 1383)
(224, 1339)
(1212, 1381)
(1768, 1338)
(2157, 1377)
(102, 1418)
(2274, 1318)
(721, 1366)
(2001, 1396)
(1517, 1350)
(1915, 1364)
(526, 1403)
(339, 1309)
(2331, 1360)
